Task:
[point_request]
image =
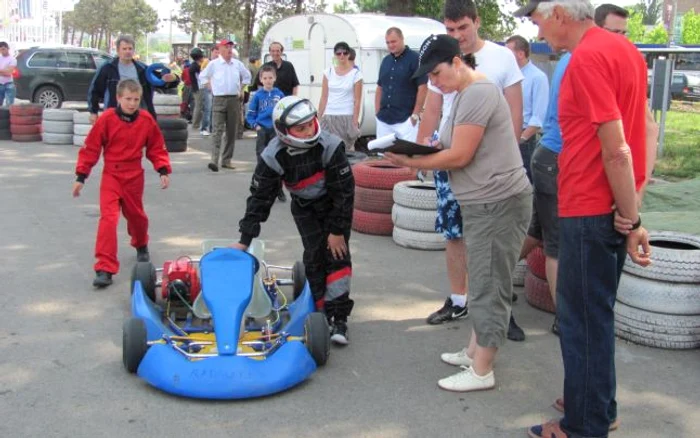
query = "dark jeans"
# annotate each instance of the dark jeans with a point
(264, 137)
(591, 256)
(526, 149)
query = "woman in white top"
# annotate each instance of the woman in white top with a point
(341, 97)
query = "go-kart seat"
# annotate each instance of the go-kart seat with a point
(227, 280)
(260, 303)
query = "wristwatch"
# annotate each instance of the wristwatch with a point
(637, 224)
(415, 117)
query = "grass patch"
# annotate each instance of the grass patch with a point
(681, 154)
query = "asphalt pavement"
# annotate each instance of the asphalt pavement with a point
(61, 371)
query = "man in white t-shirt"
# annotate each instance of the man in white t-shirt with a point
(500, 67)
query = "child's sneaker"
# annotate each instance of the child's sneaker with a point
(204, 133)
(102, 279)
(339, 333)
(467, 380)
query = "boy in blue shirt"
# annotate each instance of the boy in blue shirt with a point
(259, 114)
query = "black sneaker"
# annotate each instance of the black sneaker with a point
(555, 326)
(339, 333)
(448, 313)
(142, 254)
(282, 197)
(102, 279)
(213, 167)
(515, 333)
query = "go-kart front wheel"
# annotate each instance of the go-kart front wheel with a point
(145, 272)
(318, 337)
(298, 278)
(134, 343)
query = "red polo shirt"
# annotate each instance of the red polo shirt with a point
(606, 80)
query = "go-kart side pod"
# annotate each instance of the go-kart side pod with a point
(145, 272)
(134, 343)
(318, 338)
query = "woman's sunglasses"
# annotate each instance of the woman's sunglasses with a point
(341, 53)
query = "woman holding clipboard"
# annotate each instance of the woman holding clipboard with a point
(480, 151)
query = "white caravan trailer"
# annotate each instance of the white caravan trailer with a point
(308, 44)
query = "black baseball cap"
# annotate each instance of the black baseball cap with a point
(529, 8)
(434, 50)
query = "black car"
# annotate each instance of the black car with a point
(52, 75)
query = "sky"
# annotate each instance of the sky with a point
(525, 28)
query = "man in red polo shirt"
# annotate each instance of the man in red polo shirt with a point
(602, 166)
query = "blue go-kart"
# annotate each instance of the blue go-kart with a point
(233, 336)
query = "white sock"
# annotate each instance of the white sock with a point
(458, 300)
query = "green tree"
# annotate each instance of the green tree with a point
(650, 10)
(346, 7)
(657, 35)
(690, 33)
(635, 28)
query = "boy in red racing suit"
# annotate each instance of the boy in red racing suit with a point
(313, 167)
(121, 134)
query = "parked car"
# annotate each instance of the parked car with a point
(683, 87)
(53, 75)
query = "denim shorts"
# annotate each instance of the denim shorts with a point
(449, 216)
(545, 216)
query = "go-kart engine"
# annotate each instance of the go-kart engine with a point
(180, 278)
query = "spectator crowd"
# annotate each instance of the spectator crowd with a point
(521, 162)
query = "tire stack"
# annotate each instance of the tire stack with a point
(167, 106)
(413, 216)
(57, 126)
(374, 185)
(81, 128)
(25, 122)
(174, 132)
(536, 286)
(5, 133)
(659, 306)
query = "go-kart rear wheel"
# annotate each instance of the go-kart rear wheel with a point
(134, 343)
(318, 337)
(145, 272)
(298, 278)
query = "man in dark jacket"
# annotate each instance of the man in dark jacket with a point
(104, 84)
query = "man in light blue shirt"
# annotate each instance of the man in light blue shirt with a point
(535, 98)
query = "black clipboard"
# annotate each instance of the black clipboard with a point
(405, 147)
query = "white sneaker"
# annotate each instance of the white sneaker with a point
(467, 380)
(459, 358)
(204, 133)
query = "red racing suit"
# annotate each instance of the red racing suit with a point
(121, 140)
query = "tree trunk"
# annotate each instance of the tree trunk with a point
(193, 41)
(251, 9)
(299, 8)
(402, 8)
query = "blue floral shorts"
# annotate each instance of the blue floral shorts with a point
(449, 216)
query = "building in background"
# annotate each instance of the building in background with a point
(673, 12)
(29, 22)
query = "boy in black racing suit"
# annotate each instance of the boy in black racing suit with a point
(313, 167)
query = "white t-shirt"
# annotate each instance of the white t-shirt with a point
(497, 63)
(341, 96)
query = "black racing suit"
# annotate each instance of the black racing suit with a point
(322, 189)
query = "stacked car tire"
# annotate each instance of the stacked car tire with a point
(81, 127)
(5, 133)
(536, 285)
(25, 122)
(413, 216)
(57, 126)
(175, 133)
(374, 185)
(659, 306)
(167, 106)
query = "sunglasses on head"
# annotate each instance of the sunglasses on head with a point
(341, 53)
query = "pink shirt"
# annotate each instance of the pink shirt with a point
(5, 62)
